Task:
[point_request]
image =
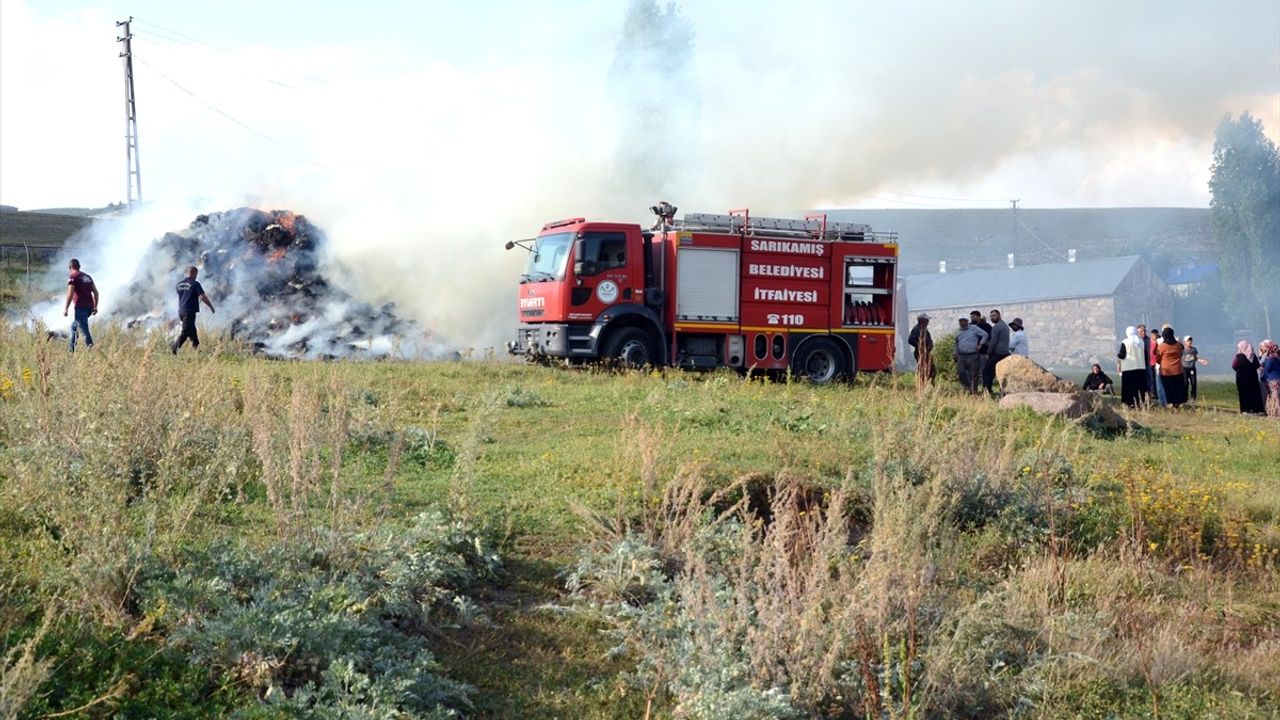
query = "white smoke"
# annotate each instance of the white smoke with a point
(420, 169)
(110, 250)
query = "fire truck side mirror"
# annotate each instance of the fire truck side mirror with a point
(579, 254)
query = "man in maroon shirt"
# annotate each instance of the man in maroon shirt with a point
(84, 293)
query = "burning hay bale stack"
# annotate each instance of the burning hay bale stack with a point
(262, 271)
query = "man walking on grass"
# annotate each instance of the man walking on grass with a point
(190, 295)
(84, 293)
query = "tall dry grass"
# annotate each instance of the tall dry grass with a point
(877, 597)
(125, 452)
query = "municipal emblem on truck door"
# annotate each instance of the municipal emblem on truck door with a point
(607, 292)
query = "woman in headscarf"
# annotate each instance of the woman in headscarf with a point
(1246, 366)
(1170, 354)
(1099, 382)
(1133, 368)
(1271, 376)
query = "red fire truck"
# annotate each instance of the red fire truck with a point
(711, 290)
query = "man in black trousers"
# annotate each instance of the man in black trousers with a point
(190, 295)
(997, 350)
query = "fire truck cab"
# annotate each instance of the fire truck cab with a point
(709, 290)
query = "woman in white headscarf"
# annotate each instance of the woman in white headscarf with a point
(1133, 368)
(1246, 366)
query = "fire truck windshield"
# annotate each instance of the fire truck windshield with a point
(548, 259)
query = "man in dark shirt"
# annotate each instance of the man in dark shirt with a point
(997, 350)
(190, 295)
(977, 320)
(921, 342)
(84, 293)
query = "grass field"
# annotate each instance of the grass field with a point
(40, 228)
(214, 534)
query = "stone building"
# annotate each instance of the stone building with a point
(1074, 313)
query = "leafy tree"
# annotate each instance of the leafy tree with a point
(1245, 185)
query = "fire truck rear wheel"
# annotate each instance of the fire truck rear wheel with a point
(820, 361)
(630, 347)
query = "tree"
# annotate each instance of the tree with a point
(1245, 185)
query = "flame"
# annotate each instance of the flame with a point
(286, 219)
(276, 254)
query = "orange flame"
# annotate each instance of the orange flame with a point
(286, 219)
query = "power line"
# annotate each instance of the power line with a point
(184, 39)
(232, 118)
(173, 44)
(1037, 237)
(185, 36)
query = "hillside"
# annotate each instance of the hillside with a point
(969, 239)
(40, 228)
(964, 238)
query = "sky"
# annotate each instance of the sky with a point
(424, 134)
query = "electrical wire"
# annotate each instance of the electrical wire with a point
(183, 39)
(1037, 237)
(149, 38)
(228, 116)
(175, 33)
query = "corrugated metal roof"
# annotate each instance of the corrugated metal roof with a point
(1191, 273)
(1031, 283)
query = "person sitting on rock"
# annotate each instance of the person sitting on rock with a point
(1098, 382)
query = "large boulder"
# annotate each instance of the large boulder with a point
(1105, 421)
(1017, 374)
(1068, 405)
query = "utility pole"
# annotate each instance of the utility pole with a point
(133, 172)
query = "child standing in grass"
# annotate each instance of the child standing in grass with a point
(1191, 358)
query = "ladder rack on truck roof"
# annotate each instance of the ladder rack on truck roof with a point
(814, 227)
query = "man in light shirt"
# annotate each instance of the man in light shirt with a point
(1018, 340)
(969, 360)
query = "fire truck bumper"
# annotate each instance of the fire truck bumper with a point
(555, 340)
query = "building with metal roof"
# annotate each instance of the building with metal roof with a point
(1074, 313)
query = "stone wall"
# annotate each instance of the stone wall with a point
(1071, 333)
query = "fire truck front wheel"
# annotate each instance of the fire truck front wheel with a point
(819, 360)
(629, 347)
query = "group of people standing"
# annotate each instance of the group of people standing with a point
(980, 346)
(1258, 377)
(1158, 367)
(82, 291)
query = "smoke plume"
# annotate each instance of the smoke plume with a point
(262, 271)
